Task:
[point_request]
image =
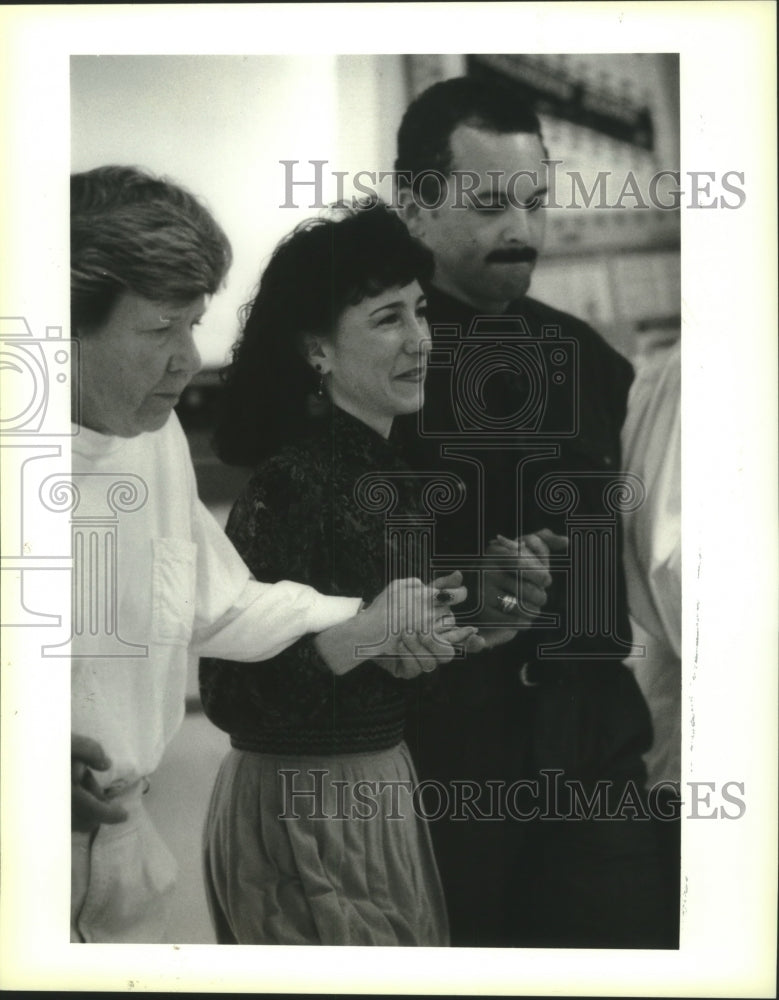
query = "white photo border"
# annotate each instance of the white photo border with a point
(729, 309)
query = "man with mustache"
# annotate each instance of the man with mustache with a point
(525, 404)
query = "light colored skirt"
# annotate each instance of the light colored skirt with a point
(321, 850)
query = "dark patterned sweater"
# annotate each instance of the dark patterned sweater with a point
(299, 519)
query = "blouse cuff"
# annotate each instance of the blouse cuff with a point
(327, 611)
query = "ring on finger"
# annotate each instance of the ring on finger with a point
(509, 605)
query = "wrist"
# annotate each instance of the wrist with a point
(337, 645)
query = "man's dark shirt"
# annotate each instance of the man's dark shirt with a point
(536, 401)
(499, 729)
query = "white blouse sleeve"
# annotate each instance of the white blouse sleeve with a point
(239, 618)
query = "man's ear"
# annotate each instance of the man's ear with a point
(411, 213)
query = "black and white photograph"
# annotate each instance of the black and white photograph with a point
(376, 522)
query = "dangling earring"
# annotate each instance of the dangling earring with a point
(317, 401)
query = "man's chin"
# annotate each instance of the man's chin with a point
(500, 289)
(517, 285)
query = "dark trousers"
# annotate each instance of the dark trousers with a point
(527, 852)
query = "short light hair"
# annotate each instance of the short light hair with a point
(132, 231)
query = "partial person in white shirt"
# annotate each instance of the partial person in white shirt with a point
(145, 258)
(651, 448)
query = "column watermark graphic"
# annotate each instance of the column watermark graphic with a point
(38, 412)
(409, 536)
(95, 502)
(593, 562)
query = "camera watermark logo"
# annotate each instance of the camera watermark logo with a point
(38, 408)
(35, 406)
(539, 370)
(36, 379)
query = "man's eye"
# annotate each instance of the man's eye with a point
(388, 319)
(422, 312)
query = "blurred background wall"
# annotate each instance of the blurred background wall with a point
(221, 125)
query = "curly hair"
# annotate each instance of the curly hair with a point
(131, 231)
(323, 266)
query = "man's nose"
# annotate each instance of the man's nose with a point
(519, 225)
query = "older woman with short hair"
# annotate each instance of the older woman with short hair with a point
(156, 582)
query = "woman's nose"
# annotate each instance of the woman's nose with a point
(186, 357)
(418, 336)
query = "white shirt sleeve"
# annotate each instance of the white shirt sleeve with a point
(664, 545)
(239, 618)
(652, 449)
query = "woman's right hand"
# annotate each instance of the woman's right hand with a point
(424, 632)
(407, 629)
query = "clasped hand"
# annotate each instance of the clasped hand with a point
(513, 599)
(408, 629)
(425, 632)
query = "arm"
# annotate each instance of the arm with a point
(241, 619)
(384, 631)
(289, 523)
(652, 444)
(280, 528)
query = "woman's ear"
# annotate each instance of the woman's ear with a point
(315, 354)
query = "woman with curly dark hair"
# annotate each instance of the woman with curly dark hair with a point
(313, 834)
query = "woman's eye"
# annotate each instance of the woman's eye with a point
(388, 319)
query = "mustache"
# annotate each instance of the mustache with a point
(513, 255)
